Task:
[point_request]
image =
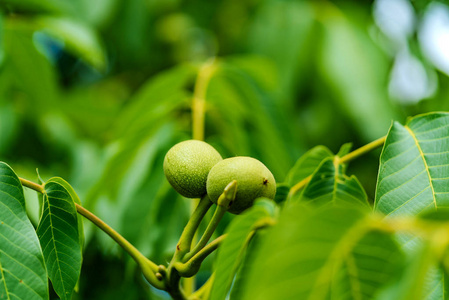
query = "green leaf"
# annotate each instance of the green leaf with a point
(237, 101)
(413, 180)
(436, 282)
(75, 199)
(414, 166)
(79, 39)
(231, 250)
(355, 70)
(59, 237)
(260, 68)
(155, 100)
(329, 184)
(331, 253)
(307, 164)
(40, 82)
(22, 269)
(46, 6)
(8, 125)
(2, 50)
(282, 191)
(292, 50)
(248, 260)
(344, 149)
(132, 186)
(411, 284)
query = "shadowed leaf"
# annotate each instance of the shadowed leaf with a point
(325, 254)
(230, 252)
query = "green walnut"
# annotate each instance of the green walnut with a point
(254, 180)
(187, 164)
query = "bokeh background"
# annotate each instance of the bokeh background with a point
(97, 91)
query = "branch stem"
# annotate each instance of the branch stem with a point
(362, 150)
(148, 267)
(31, 185)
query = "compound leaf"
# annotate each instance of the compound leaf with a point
(22, 268)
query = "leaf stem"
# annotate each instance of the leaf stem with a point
(346, 158)
(148, 267)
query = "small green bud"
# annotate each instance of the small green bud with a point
(187, 164)
(253, 178)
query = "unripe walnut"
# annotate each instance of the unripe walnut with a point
(187, 164)
(254, 180)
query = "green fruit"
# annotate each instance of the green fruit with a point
(254, 180)
(187, 164)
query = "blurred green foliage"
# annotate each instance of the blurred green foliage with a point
(97, 91)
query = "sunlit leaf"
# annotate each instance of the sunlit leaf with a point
(59, 237)
(328, 254)
(413, 180)
(414, 166)
(230, 251)
(22, 269)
